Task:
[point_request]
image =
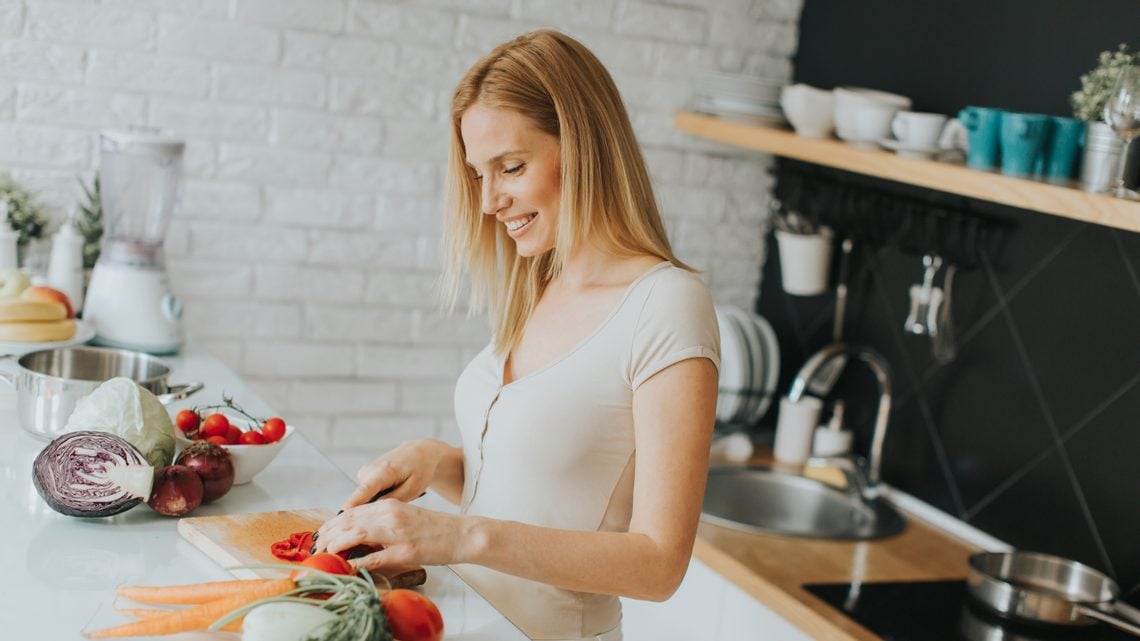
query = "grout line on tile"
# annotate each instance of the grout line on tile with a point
(1102, 406)
(940, 451)
(1008, 483)
(1087, 511)
(1024, 281)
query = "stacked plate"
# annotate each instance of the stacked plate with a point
(749, 366)
(739, 96)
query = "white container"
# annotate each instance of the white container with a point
(918, 129)
(65, 265)
(829, 442)
(848, 99)
(9, 240)
(805, 262)
(810, 110)
(795, 429)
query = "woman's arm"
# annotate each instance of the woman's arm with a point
(673, 421)
(410, 469)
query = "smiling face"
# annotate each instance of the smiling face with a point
(517, 166)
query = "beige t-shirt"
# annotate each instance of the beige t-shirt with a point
(555, 448)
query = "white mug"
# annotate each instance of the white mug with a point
(917, 129)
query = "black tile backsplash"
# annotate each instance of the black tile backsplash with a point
(1032, 432)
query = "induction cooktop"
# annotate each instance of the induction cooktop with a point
(940, 611)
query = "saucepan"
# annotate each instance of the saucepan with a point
(50, 382)
(1042, 588)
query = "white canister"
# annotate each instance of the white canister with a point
(9, 240)
(65, 265)
(805, 261)
(795, 429)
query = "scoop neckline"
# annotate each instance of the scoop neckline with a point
(502, 360)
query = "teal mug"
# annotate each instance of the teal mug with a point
(1058, 164)
(983, 125)
(1023, 142)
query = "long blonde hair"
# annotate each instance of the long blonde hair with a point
(606, 194)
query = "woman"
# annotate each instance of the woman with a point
(605, 346)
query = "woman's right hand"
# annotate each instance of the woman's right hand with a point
(405, 472)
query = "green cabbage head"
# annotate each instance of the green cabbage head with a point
(123, 408)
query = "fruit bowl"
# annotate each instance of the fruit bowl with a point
(248, 460)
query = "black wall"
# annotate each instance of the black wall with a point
(1032, 433)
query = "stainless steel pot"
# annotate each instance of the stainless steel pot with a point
(50, 382)
(1047, 589)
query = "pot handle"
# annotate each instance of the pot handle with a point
(179, 392)
(1111, 619)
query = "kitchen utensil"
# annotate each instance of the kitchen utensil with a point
(244, 539)
(1047, 589)
(129, 299)
(983, 124)
(945, 335)
(50, 382)
(924, 298)
(1122, 113)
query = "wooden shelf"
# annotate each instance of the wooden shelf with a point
(955, 179)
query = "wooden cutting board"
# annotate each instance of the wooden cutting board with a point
(244, 539)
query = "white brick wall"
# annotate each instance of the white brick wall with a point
(306, 243)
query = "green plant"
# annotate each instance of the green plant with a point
(90, 222)
(1088, 101)
(26, 215)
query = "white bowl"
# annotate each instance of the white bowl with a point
(872, 122)
(810, 110)
(248, 460)
(849, 99)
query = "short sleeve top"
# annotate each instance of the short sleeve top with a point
(555, 448)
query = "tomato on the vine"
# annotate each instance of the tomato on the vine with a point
(328, 562)
(273, 429)
(412, 616)
(216, 425)
(252, 437)
(220, 440)
(233, 435)
(187, 420)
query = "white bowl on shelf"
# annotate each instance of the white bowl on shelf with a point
(849, 101)
(810, 110)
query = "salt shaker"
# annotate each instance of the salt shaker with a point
(8, 240)
(65, 266)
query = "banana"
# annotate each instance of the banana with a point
(20, 310)
(37, 331)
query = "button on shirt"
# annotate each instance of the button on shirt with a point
(556, 449)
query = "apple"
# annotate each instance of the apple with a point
(12, 282)
(42, 292)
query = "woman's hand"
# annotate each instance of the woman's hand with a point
(405, 472)
(409, 534)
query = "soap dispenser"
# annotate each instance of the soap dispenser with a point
(9, 240)
(65, 265)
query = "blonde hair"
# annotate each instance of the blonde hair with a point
(606, 194)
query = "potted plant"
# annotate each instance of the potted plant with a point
(1103, 150)
(26, 215)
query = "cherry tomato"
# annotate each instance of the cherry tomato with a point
(187, 420)
(215, 425)
(233, 435)
(220, 440)
(274, 430)
(412, 616)
(252, 437)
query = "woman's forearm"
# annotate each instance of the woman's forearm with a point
(448, 478)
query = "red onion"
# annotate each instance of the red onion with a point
(177, 490)
(89, 473)
(212, 462)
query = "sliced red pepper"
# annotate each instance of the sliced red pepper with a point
(296, 548)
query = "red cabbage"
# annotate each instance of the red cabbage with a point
(92, 474)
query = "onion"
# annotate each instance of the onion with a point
(212, 462)
(177, 490)
(94, 474)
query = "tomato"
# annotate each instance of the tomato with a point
(412, 616)
(220, 440)
(252, 437)
(328, 562)
(216, 425)
(187, 420)
(274, 430)
(233, 435)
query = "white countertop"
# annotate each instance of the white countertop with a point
(60, 572)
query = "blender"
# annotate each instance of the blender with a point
(129, 302)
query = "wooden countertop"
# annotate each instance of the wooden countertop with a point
(773, 568)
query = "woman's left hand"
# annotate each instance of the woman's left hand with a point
(409, 534)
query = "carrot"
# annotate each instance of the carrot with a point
(198, 617)
(152, 613)
(192, 593)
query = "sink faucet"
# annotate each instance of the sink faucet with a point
(819, 374)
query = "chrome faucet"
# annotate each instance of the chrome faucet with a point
(819, 374)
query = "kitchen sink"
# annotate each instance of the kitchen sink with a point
(762, 499)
